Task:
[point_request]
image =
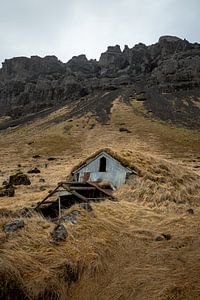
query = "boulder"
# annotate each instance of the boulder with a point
(13, 225)
(59, 233)
(123, 129)
(71, 218)
(51, 158)
(41, 180)
(190, 211)
(34, 171)
(36, 156)
(43, 188)
(163, 237)
(19, 179)
(7, 190)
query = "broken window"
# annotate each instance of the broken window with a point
(102, 164)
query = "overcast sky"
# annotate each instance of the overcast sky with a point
(71, 27)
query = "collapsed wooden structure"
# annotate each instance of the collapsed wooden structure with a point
(68, 193)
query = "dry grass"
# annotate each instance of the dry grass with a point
(111, 253)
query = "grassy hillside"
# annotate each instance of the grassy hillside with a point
(112, 252)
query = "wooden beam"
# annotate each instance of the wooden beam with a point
(50, 194)
(82, 188)
(50, 202)
(72, 183)
(100, 189)
(95, 199)
(59, 208)
(79, 196)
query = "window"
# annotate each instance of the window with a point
(102, 164)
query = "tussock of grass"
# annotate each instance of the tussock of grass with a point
(110, 253)
(160, 182)
(95, 259)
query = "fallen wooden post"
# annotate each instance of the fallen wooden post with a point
(50, 194)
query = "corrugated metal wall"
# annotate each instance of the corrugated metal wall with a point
(115, 172)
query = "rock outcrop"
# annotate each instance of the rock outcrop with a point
(172, 65)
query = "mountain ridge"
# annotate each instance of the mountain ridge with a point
(165, 76)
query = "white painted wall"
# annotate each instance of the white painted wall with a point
(115, 172)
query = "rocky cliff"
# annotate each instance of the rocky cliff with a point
(165, 75)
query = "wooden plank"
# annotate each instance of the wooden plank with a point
(100, 189)
(50, 194)
(51, 202)
(62, 193)
(82, 188)
(59, 208)
(72, 182)
(79, 196)
(95, 199)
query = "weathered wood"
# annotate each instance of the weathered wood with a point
(50, 202)
(50, 194)
(100, 189)
(71, 182)
(59, 208)
(62, 193)
(73, 188)
(82, 188)
(95, 199)
(79, 195)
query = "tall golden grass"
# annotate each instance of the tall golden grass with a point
(111, 253)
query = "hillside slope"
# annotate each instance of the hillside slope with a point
(112, 252)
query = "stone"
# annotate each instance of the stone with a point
(190, 211)
(75, 213)
(37, 155)
(34, 171)
(7, 190)
(123, 129)
(43, 188)
(59, 233)
(159, 238)
(51, 158)
(13, 225)
(19, 179)
(71, 217)
(86, 206)
(167, 236)
(163, 237)
(41, 180)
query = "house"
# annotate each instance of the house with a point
(102, 166)
(92, 180)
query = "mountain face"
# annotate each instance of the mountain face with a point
(165, 75)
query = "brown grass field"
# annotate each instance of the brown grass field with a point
(111, 253)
